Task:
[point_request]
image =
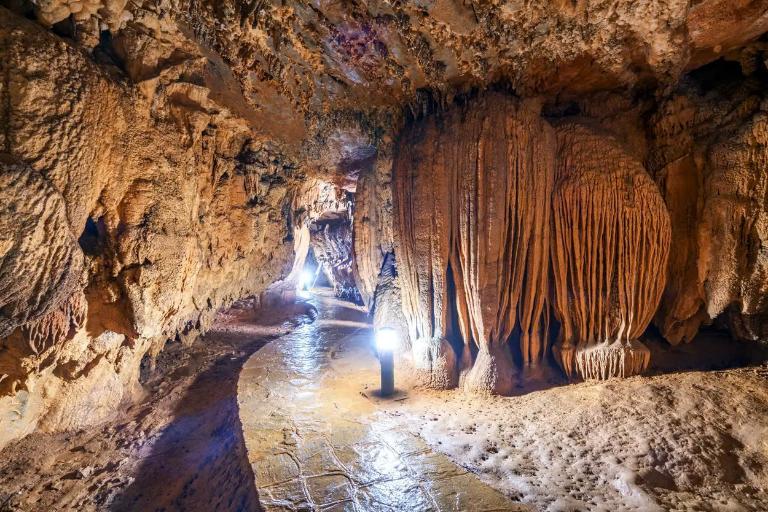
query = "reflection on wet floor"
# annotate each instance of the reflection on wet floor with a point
(317, 441)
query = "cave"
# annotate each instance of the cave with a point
(384, 255)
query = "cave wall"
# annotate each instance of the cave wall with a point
(130, 213)
(708, 152)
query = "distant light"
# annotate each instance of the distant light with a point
(305, 280)
(387, 340)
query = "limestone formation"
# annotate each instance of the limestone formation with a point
(40, 261)
(331, 241)
(423, 210)
(502, 155)
(372, 228)
(709, 152)
(157, 191)
(388, 305)
(486, 171)
(609, 254)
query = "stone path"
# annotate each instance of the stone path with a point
(318, 439)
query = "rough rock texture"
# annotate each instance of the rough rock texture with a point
(609, 255)
(331, 241)
(157, 184)
(186, 146)
(709, 154)
(36, 243)
(474, 189)
(481, 178)
(422, 230)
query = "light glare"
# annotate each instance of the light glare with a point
(305, 280)
(387, 339)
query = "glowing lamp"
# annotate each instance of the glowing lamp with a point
(387, 340)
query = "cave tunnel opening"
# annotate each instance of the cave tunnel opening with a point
(313, 273)
(93, 239)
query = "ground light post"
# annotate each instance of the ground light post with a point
(387, 341)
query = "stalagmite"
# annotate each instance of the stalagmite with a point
(609, 255)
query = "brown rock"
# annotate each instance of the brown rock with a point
(469, 191)
(609, 255)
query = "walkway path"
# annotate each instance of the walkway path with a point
(318, 439)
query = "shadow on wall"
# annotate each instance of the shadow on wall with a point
(199, 463)
(712, 349)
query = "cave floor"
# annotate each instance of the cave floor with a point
(269, 408)
(319, 438)
(177, 447)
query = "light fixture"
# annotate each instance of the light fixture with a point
(387, 341)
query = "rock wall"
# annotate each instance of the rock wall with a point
(709, 155)
(372, 227)
(503, 168)
(130, 214)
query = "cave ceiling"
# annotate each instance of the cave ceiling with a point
(332, 80)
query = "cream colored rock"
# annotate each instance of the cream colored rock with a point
(41, 263)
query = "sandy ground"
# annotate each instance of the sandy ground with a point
(180, 448)
(693, 441)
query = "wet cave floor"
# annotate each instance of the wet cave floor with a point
(319, 438)
(274, 411)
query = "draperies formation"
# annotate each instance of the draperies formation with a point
(532, 223)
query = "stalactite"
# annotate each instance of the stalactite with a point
(504, 162)
(372, 229)
(473, 189)
(422, 231)
(609, 255)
